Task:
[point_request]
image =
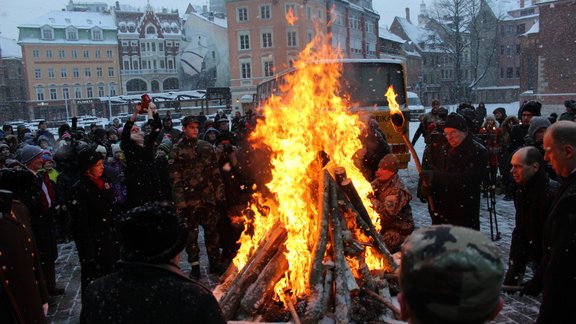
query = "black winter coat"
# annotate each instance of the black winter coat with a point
(22, 287)
(93, 215)
(558, 268)
(532, 202)
(149, 293)
(456, 188)
(143, 182)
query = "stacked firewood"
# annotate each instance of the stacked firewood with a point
(337, 291)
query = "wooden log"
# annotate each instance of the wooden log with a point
(384, 302)
(231, 299)
(364, 221)
(263, 288)
(328, 290)
(365, 273)
(292, 310)
(343, 302)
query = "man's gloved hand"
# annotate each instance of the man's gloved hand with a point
(531, 288)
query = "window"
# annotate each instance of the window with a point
(75, 73)
(501, 49)
(72, 34)
(517, 49)
(161, 47)
(96, 34)
(63, 73)
(89, 91)
(319, 13)
(50, 73)
(37, 73)
(509, 73)
(268, 68)
(502, 72)
(101, 91)
(354, 22)
(245, 70)
(265, 12)
(74, 53)
(47, 33)
(517, 72)
(97, 54)
(242, 14)
(77, 92)
(40, 93)
(112, 91)
(520, 29)
(110, 71)
(244, 41)
(309, 13)
(53, 94)
(150, 30)
(266, 39)
(292, 38)
(86, 54)
(87, 72)
(61, 53)
(99, 72)
(36, 53)
(65, 93)
(48, 53)
(109, 53)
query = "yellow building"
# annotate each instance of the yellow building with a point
(71, 63)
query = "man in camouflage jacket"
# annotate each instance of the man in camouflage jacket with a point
(198, 192)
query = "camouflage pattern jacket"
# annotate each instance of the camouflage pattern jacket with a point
(195, 176)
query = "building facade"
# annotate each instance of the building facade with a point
(148, 47)
(70, 59)
(262, 43)
(13, 94)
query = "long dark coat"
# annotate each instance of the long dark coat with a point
(532, 202)
(456, 188)
(22, 291)
(558, 268)
(142, 179)
(149, 293)
(93, 214)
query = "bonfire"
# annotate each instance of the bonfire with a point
(313, 250)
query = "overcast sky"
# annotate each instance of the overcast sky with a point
(16, 12)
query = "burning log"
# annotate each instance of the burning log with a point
(328, 287)
(231, 298)
(364, 220)
(384, 302)
(262, 289)
(342, 296)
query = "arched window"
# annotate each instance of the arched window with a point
(150, 30)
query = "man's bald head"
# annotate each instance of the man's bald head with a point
(560, 147)
(526, 162)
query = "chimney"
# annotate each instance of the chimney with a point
(408, 14)
(204, 8)
(521, 4)
(117, 5)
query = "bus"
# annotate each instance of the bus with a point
(364, 82)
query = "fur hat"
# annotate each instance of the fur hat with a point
(87, 158)
(116, 148)
(457, 121)
(389, 162)
(533, 107)
(29, 153)
(151, 233)
(101, 149)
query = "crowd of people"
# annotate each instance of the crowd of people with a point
(110, 190)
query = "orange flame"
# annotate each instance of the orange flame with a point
(396, 116)
(291, 18)
(309, 118)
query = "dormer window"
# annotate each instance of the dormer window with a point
(150, 30)
(47, 33)
(97, 34)
(71, 34)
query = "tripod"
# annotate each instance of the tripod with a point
(491, 207)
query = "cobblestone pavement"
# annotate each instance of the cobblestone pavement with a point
(521, 310)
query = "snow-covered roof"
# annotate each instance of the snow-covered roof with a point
(501, 8)
(419, 35)
(81, 20)
(10, 48)
(384, 33)
(222, 22)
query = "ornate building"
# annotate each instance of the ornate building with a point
(148, 44)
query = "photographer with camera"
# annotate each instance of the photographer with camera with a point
(490, 134)
(142, 178)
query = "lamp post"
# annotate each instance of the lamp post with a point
(109, 103)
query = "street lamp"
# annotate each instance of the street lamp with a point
(109, 103)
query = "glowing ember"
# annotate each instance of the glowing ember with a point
(290, 18)
(309, 118)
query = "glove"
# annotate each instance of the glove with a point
(531, 288)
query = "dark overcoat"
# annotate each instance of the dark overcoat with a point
(456, 188)
(149, 293)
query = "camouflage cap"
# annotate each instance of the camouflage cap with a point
(451, 273)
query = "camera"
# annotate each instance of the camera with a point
(145, 103)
